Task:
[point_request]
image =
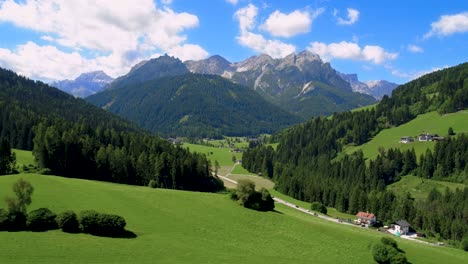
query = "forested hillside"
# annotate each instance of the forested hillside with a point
(24, 103)
(195, 105)
(304, 164)
(73, 138)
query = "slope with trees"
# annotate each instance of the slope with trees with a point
(305, 165)
(73, 138)
(196, 106)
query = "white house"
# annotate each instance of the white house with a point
(406, 140)
(401, 227)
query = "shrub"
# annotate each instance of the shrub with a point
(89, 221)
(95, 223)
(111, 225)
(316, 206)
(12, 220)
(389, 242)
(41, 219)
(68, 222)
(387, 252)
(246, 195)
(464, 243)
(153, 184)
(3, 219)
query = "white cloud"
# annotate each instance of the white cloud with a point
(246, 17)
(232, 2)
(287, 25)
(415, 74)
(166, 2)
(351, 51)
(126, 32)
(258, 43)
(448, 25)
(188, 52)
(247, 20)
(353, 16)
(415, 49)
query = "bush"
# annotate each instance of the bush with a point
(464, 244)
(153, 184)
(89, 221)
(3, 219)
(316, 206)
(68, 222)
(12, 220)
(111, 225)
(98, 224)
(387, 252)
(41, 219)
(246, 195)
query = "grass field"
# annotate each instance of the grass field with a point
(24, 157)
(432, 123)
(189, 227)
(420, 188)
(222, 155)
(330, 210)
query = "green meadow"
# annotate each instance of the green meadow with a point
(23, 157)
(420, 188)
(222, 154)
(190, 227)
(431, 123)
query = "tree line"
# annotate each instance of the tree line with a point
(72, 138)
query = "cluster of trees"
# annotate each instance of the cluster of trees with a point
(7, 158)
(247, 196)
(76, 150)
(387, 252)
(448, 161)
(306, 163)
(16, 217)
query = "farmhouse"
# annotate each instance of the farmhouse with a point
(400, 227)
(406, 140)
(425, 137)
(365, 218)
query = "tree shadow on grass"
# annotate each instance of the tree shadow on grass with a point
(278, 212)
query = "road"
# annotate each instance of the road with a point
(328, 218)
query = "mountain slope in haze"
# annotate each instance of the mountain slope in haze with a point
(85, 85)
(151, 70)
(24, 103)
(195, 105)
(300, 83)
(375, 88)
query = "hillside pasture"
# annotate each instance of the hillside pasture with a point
(431, 123)
(420, 188)
(190, 227)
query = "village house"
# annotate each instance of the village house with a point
(406, 140)
(400, 228)
(365, 218)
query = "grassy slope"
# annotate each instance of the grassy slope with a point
(431, 123)
(23, 157)
(222, 155)
(419, 188)
(189, 227)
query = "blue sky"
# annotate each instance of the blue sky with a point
(392, 40)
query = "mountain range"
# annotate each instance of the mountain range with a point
(299, 83)
(194, 105)
(85, 85)
(300, 86)
(377, 89)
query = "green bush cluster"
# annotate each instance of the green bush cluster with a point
(95, 223)
(387, 252)
(41, 219)
(248, 197)
(319, 207)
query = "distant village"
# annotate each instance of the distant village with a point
(421, 137)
